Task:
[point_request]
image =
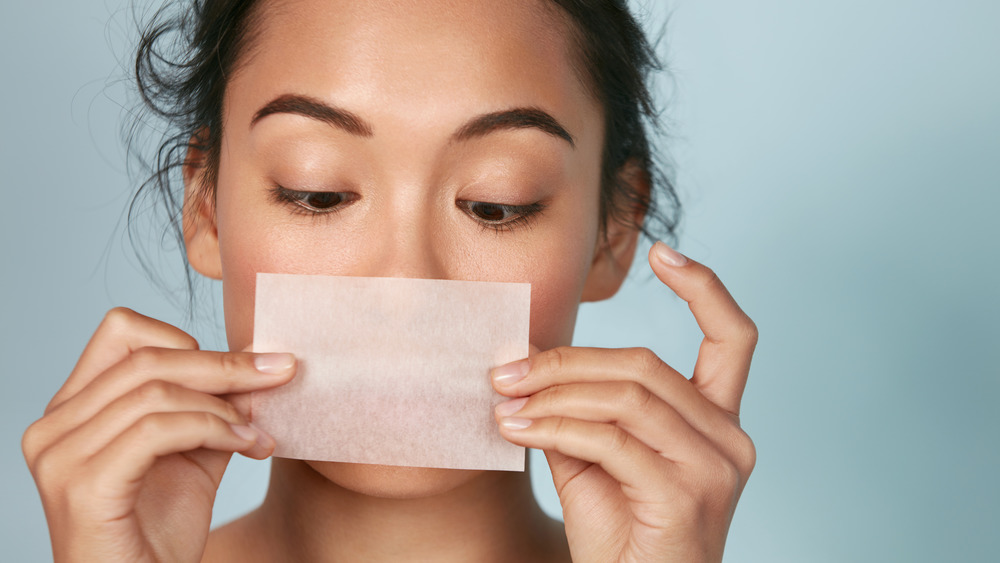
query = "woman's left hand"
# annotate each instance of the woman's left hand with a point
(648, 465)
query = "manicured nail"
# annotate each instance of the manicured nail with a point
(263, 438)
(510, 407)
(511, 373)
(273, 364)
(513, 423)
(668, 255)
(244, 432)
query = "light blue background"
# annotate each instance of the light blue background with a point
(838, 161)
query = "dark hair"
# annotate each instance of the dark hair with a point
(188, 50)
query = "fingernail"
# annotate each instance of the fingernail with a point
(244, 432)
(273, 364)
(510, 407)
(514, 423)
(263, 438)
(668, 255)
(511, 373)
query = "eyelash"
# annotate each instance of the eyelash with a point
(523, 214)
(295, 200)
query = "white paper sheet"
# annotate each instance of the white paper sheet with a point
(391, 371)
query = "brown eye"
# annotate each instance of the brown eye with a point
(313, 202)
(501, 216)
(323, 200)
(488, 211)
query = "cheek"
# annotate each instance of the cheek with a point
(556, 286)
(251, 240)
(249, 247)
(238, 285)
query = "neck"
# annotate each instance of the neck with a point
(488, 516)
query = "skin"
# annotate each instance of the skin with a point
(648, 464)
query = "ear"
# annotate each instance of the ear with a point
(201, 237)
(616, 247)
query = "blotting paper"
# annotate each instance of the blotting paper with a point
(391, 371)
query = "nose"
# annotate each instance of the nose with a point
(409, 245)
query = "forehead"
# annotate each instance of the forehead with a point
(427, 61)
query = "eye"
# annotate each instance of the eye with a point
(315, 202)
(322, 200)
(500, 216)
(491, 212)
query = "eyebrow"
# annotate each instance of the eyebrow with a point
(480, 126)
(517, 118)
(315, 109)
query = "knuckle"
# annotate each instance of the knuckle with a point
(119, 319)
(144, 360)
(746, 454)
(232, 413)
(634, 396)
(152, 424)
(710, 280)
(31, 442)
(560, 427)
(154, 392)
(122, 321)
(185, 341)
(618, 440)
(748, 332)
(555, 359)
(209, 422)
(229, 364)
(644, 358)
(550, 396)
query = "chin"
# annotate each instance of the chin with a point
(391, 481)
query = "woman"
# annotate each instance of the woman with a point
(467, 140)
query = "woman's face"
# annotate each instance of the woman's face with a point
(430, 123)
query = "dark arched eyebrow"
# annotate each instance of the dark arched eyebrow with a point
(316, 109)
(517, 118)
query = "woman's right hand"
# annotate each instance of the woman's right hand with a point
(130, 452)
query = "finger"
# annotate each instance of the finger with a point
(627, 404)
(122, 332)
(242, 401)
(116, 471)
(563, 365)
(730, 336)
(80, 441)
(215, 373)
(627, 459)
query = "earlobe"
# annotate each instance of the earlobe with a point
(201, 237)
(616, 246)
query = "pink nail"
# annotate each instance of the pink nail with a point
(513, 423)
(510, 407)
(273, 364)
(668, 255)
(511, 373)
